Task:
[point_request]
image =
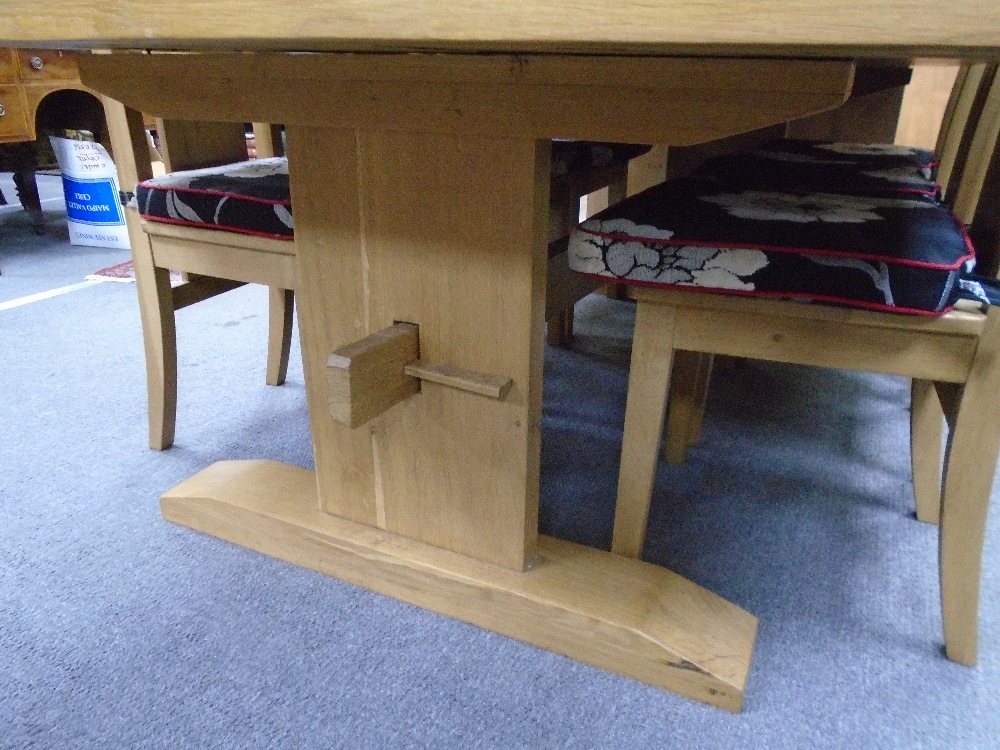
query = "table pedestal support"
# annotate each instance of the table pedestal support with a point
(616, 613)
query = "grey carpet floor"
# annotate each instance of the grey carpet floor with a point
(120, 630)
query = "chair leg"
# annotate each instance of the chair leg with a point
(926, 425)
(618, 188)
(970, 465)
(649, 382)
(281, 305)
(705, 364)
(156, 300)
(159, 335)
(559, 329)
(682, 405)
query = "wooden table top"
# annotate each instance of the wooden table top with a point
(900, 28)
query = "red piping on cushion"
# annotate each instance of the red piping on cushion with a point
(793, 250)
(220, 227)
(805, 298)
(218, 193)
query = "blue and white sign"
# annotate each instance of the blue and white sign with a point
(90, 182)
(93, 200)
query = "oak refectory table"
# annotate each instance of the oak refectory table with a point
(418, 140)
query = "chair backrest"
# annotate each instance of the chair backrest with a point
(978, 196)
(956, 115)
(958, 128)
(188, 144)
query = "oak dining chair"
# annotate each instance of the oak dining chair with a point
(819, 279)
(211, 261)
(692, 370)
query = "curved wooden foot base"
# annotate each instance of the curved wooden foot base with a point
(615, 613)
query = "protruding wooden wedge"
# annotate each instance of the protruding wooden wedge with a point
(365, 378)
(368, 377)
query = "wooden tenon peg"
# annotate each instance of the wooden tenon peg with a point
(367, 377)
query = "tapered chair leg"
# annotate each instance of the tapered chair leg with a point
(281, 306)
(970, 465)
(926, 427)
(160, 338)
(559, 328)
(648, 384)
(682, 405)
(705, 364)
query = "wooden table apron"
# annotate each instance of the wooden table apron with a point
(420, 190)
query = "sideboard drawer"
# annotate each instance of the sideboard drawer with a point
(39, 65)
(8, 66)
(13, 124)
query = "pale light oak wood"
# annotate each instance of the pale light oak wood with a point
(817, 27)
(684, 404)
(128, 138)
(216, 261)
(622, 615)
(794, 332)
(926, 425)
(957, 352)
(228, 239)
(481, 245)
(649, 373)
(491, 386)
(280, 319)
(201, 251)
(376, 197)
(928, 104)
(970, 466)
(499, 95)
(365, 378)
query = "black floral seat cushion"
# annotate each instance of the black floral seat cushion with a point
(867, 155)
(886, 253)
(249, 197)
(766, 172)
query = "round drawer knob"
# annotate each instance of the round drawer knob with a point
(36, 62)
(2, 111)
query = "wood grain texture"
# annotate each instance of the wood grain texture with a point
(8, 66)
(926, 427)
(192, 144)
(961, 361)
(24, 86)
(491, 386)
(223, 260)
(819, 26)
(970, 467)
(455, 238)
(500, 95)
(649, 384)
(14, 125)
(622, 615)
(365, 378)
(924, 104)
(128, 139)
(331, 305)
(826, 344)
(448, 233)
(214, 261)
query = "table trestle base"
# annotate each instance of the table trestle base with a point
(619, 614)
